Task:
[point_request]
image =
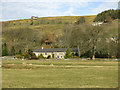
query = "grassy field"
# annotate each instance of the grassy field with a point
(59, 74)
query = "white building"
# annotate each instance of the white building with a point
(97, 23)
(57, 53)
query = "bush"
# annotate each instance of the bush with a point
(31, 23)
(34, 56)
(26, 55)
(59, 22)
(49, 57)
(76, 54)
(86, 54)
(41, 56)
(19, 56)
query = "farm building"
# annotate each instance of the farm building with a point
(57, 53)
(97, 23)
(34, 17)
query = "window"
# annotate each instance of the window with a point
(45, 53)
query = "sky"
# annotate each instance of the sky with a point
(24, 9)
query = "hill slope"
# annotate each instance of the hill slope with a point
(29, 33)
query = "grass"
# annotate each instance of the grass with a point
(59, 74)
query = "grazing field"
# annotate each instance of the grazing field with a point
(59, 74)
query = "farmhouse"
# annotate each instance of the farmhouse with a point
(97, 23)
(57, 53)
(34, 17)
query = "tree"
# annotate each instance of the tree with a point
(12, 51)
(48, 38)
(95, 34)
(113, 14)
(113, 49)
(68, 53)
(78, 38)
(26, 55)
(30, 52)
(80, 20)
(108, 19)
(20, 37)
(20, 52)
(4, 50)
(64, 40)
(31, 23)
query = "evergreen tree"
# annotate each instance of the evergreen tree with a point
(113, 14)
(20, 52)
(68, 53)
(30, 52)
(12, 51)
(4, 50)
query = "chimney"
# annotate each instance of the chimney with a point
(42, 47)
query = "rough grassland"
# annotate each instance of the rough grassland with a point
(59, 74)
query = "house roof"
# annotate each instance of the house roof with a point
(55, 50)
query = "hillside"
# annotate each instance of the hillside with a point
(29, 33)
(48, 19)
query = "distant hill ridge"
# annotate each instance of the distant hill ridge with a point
(52, 18)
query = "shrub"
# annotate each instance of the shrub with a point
(49, 57)
(34, 56)
(19, 56)
(41, 56)
(20, 52)
(76, 54)
(31, 23)
(26, 55)
(30, 52)
(59, 22)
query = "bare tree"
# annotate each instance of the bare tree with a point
(78, 38)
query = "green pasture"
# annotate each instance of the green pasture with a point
(59, 74)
